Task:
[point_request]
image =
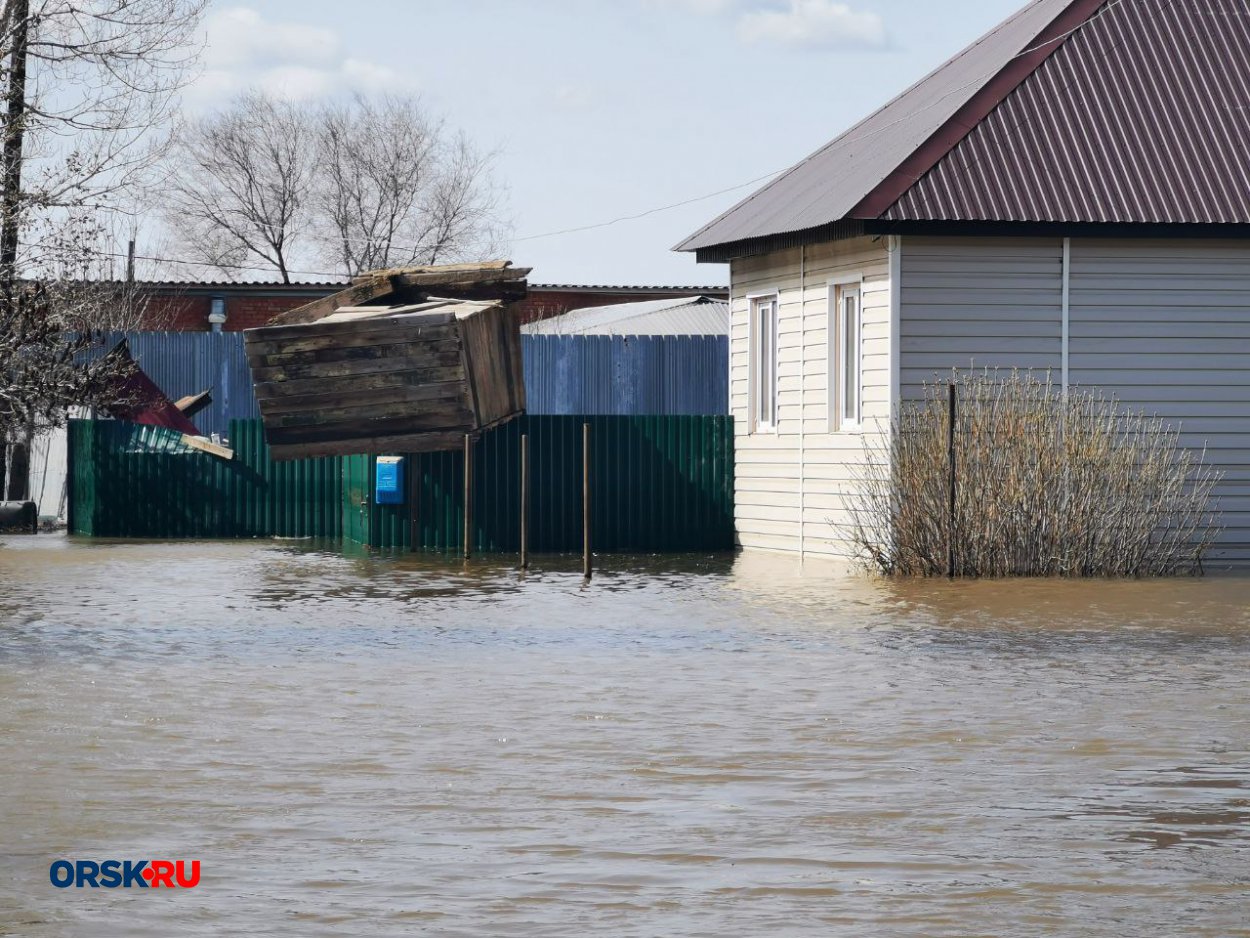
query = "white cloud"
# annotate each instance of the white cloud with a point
(239, 37)
(816, 24)
(244, 50)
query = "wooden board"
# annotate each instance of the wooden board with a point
(398, 443)
(368, 429)
(207, 446)
(363, 292)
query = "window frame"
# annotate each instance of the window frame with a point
(755, 351)
(837, 354)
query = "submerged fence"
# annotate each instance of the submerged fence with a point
(658, 483)
(564, 374)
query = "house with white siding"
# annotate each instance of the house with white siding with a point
(1070, 193)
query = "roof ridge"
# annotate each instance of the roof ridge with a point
(991, 93)
(849, 134)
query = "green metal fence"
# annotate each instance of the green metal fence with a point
(662, 483)
(130, 480)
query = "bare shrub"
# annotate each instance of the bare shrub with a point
(1046, 485)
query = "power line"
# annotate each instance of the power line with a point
(840, 140)
(97, 252)
(651, 211)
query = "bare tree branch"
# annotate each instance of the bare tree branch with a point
(367, 184)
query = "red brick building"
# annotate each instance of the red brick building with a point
(187, 306)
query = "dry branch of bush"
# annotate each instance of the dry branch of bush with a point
(1045, 486)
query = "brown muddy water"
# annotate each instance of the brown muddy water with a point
(689, 746)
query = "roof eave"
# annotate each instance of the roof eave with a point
(765, 244)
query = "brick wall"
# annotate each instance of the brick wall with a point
(189, 313)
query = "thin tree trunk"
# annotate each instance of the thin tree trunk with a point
(14, 139)
(10, 212)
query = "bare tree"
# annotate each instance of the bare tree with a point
(240, 190)
(396, 187)
(354, 187)
(89, 89)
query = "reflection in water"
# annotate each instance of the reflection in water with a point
(688, 745)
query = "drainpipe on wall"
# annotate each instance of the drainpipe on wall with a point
(217, 313)
(1063, 332)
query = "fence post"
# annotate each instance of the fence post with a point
(525, 501)
(468, 496)
(950, 456)
(586, 561)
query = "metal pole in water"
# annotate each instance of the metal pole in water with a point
(525, 501)
(950, 457)
(468, 496)
(586, 561)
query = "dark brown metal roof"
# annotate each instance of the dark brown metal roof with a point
(1112, 112)
(1143, 115)
(827, 185)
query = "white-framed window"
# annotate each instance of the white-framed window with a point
(846, 342)
(764, 363)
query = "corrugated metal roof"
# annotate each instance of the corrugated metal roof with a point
(630, 288)
(826, 186)
(703, 316)
(1143, 115)
(331, 285)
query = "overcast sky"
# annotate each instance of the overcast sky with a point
(605, 108)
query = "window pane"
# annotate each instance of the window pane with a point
(766, 364)
(850, 357)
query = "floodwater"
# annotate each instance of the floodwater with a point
(688, 746)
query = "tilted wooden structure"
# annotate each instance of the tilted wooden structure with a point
(404, 360)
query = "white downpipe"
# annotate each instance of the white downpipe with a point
(1063, 341)
(802, 398)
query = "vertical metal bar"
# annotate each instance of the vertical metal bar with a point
(525, 501)
(950, 458)
(468, 496)
(586, 561)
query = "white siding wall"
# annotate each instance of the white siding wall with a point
(1164, 325)
(803, 462)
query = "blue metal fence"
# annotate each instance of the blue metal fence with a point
(564, 374)
(626, 375)
(184, 363)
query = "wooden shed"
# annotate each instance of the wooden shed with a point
(407, 360)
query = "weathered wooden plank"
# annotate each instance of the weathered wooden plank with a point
(432, 268)
(207, 446)
(400, 443)
(441, 412)
(417, 352)
(468, 327)
(267, 341)
(354, 295)
(431, 280)
(298, 387)
(512, 325)
(354, 396)
(365, 429)
(439, 361)
(192, 404)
